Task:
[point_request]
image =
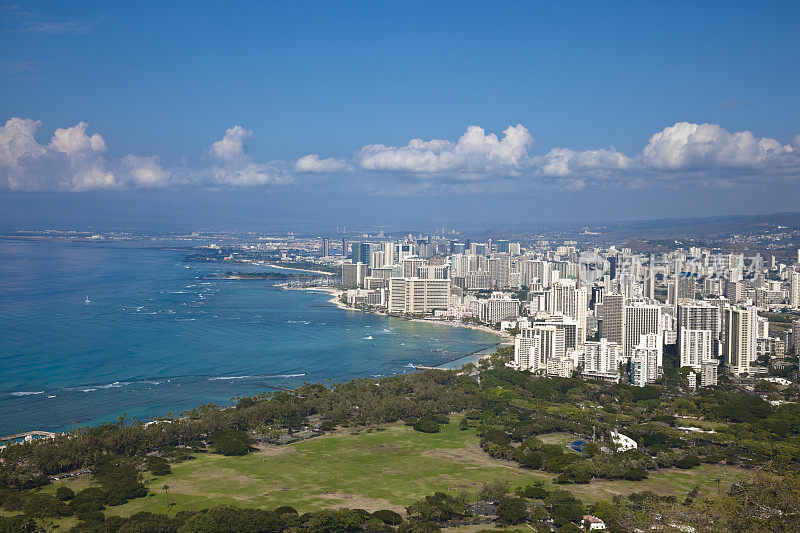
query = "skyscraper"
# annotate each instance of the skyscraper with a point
(695, 347)
(325, 247)
(361, 252)
(569, 301)
(535, 345)
(695, 315)
(794, 289)
(640, 319)
(741, 336)
(601, 358)
(613, 318)
(647, 360)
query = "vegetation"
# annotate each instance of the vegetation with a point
(511, 429)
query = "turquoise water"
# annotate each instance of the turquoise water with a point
(156, 339)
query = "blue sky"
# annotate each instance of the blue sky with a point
(349, 85)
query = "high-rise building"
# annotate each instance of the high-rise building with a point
(536, 345)
(741, 335)
(570, 327)
(326, 247)
(533, 270)
(601, 358)
(361, 252)
(650, 283)
(561, 367)
(640, 318)
(733, 291)
(344, 247)
(353, 275)
(414, 295)
(500, 268)
(564, 298)
(796, 336)
(503, 246)
(700, 315)
(496, 308)
(695, 347)
(709, 374)
(794, 289)
(411, 266)
(614, 318)
(648, 359)
(434, 272)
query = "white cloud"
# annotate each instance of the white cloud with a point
(230, 149)
(707, 147)
(705, 153)
(474, 156)
(146, 171)
(236, 168)
(563, 162)
(75, 160)
(72, 161)
(313, 163)
(75, 141)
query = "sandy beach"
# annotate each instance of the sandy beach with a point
(272, 265)
(507, 339)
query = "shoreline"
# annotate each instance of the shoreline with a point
(299, 269)
(506, 339)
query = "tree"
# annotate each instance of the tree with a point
(535, 491)
(388, 517)
(64, 493)
(493, 491)
(330, 521)
(512, 510)
(158, 466)
(199, 523)
(44, 505)
(426, 425)
(231, 442)
(439, 507)
(564, 507)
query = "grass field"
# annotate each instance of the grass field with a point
(371, 470)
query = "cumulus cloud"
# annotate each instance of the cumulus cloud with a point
(563, 162)
(476, 154)
(313, 163)
(236, 168)
(701, 147)
(705, 153)
(71, 161)
(146, 171)
(76, 160)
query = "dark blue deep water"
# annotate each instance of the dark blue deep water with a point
(156, 339)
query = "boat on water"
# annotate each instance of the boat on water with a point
(87, 300)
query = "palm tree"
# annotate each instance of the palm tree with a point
(166, 492)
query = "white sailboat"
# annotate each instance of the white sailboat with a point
(87, 300)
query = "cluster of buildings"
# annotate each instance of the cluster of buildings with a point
(606, 314)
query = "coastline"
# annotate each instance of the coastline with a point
(299, 269)
(506, 339)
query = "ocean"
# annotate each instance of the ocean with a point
(159, 336)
